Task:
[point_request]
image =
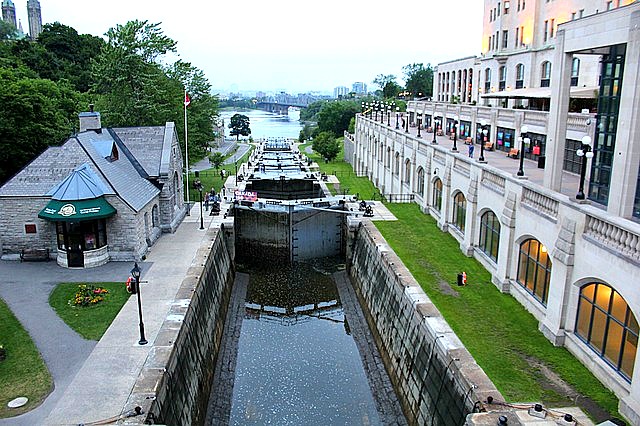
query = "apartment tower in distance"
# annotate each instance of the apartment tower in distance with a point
(9, 12)
(35, 19)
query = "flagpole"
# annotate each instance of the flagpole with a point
(186, 149)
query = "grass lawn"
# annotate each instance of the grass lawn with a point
(500, 334)
(23, 372)
(211, 178)
(92, 321)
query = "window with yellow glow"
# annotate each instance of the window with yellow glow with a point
(437, 194)
(534, 269)
(607, 325)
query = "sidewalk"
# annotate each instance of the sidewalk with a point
(102, 385)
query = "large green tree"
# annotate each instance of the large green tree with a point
(388, 85)
(418, 79)
(34, 113)
(335, 116)
(327, 145)
(239, 125)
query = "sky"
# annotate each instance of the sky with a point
(286, 45)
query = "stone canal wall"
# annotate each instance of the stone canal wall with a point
(435, 378)
(174, 384)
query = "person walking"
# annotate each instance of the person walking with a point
(471, 149)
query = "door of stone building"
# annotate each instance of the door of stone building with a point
(75, 255)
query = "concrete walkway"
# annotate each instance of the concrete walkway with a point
(94, 379)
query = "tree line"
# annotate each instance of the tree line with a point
(44, 84)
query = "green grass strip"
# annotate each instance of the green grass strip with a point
(23, 372)
(91, 321)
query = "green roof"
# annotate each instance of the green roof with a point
(77, 211)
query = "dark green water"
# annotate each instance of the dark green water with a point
(297, 363)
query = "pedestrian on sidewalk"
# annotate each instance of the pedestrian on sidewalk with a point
(471, 149)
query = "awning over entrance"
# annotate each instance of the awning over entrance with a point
(77, 210)
(543, 92)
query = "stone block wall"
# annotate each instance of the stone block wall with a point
(174, 384)
(436, 379)
(18, 212)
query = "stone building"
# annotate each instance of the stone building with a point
(571, 259)
(35, 18)
(105, 194)
(9, 12)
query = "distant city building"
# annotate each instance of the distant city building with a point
(9, 12)
(340, 91)
(359, 88)
(35, 19)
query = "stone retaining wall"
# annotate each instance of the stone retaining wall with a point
(174, 384)
(434, 376)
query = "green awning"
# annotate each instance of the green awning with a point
(76, 211)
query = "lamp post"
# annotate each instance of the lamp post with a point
(375, 108)
(435, 129)
(585, 153)
(419, 125)
(483, 125)
(455, 134)
(388, 115)
(135, 273)
(406, 130)
(198, 186)
(523, 137)
(397, 117)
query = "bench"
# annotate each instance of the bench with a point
(488, 146)
(513, 153)
(439, 133)
(34, 254)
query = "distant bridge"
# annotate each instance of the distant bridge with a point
(278, 107)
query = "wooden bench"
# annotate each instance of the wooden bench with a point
(488, 146)
(34, 254)
(513, 153)
(439, 133)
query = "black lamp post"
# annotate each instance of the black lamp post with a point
(406, 130)
(135, 273)
(198, 186)
(455, 135)
(397, 117)
(383, 108)
(375, 108)
(388, 115)
(419, 125)
(585, 153)
(523, 137)
(435, 129)
(483, 141)
(236, 163)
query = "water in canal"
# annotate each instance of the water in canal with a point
(266, 124)
(296, 361)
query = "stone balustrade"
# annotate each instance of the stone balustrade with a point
(614, 237)
(493, 181)
(540, 202)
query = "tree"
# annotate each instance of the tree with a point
(7, 30)
(335, 116)
(327, 145)
(239, 125)
(387, 83)
(216, 159)
(418, 79)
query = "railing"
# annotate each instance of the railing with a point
(613, 236)
(540, 202)
(462, 166)
(400, 198)
(493, 181)
(439, 157)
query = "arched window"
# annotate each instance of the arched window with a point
(534, 269)
(388, 157)
(381, 152)
(502, 74)
(545, 74)
(608, 326)
(489, 235)
(407, 171)
(575, 71)
(155, 218)
(519, 76)
(420, 186)
(459, 211)
(396, 166)
(437, 194)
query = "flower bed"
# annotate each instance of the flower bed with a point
(88, 295)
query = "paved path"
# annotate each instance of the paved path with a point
(243, 148)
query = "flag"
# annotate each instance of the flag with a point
(187, 99)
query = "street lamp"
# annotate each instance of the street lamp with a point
(388, 115)
(584, 153)
(434, 124)
(455, 134)
(406, 130)
(198, 186)
(397, 117)
(375, 108)
(485, 131)
(419, 125)
(523, 140)
(135, 273)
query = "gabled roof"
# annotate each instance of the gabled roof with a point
(146, 145)
(82, 184)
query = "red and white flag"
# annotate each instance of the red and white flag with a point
(187, 99)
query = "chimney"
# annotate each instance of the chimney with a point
(90, 120)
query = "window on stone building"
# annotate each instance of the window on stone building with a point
(420, 183)
(505, 39)
(388, 157)
(459, 211)
(407, 171)
(607, 325)
(487, 80)
(502, 75)
(552, 27)
(545, 74)
(155, 217)
(519, 76)
(489, 235)
(534, 269)
(396, 168)
(545, 34)
(575, 71)
(437, 194)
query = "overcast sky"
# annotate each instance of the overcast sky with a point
(294, 46)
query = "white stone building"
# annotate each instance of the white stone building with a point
(572, 263)
(105, 194)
